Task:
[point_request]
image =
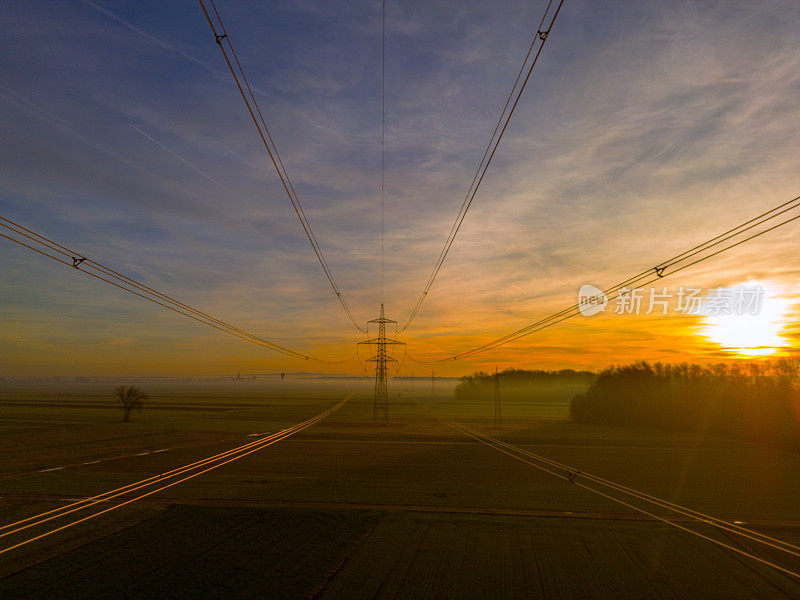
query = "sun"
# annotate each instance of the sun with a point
(754, 326)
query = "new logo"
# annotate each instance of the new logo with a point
(591, 300)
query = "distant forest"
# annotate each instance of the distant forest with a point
(757, 402)
(523, 385)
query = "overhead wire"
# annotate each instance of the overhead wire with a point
(573, 478)
(144, 291)
(541, 35)
(215, 461)
(222, 38)
(671, 506)
(528, 330)
(746, 226)
(383, 123)
(402, 361)
(103, 497)
(651, 275)
(80, 262)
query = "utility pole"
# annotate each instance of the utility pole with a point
(433, 386)
(497, 416)
(380, 405)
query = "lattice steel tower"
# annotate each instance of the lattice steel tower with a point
(498, 421)
(380, 406)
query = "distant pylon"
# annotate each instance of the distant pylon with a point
(497, 416)
(380, 406)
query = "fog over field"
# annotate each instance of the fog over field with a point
(358, 299)
(346, 508)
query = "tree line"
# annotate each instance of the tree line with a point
(522, 384)
(759, 401)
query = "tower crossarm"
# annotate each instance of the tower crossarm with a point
(387, 341)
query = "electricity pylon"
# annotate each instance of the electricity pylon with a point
(497, 417)
(380, 406)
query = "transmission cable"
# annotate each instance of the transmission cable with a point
(572, 478)
(574, 473)
(193, 469)
(488, 154)
(668, 267)
(383, 121)
(68, 257)
(222, 39)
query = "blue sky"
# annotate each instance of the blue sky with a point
(646, 128)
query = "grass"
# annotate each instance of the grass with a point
(349, 510)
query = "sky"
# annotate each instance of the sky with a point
(646, 128)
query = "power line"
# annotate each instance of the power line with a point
(663, 269)
(574, 310)
(215, 461)
(671, 506)
(572, 477)
(222, 38)
(383, 121)
(84, 503)
(70, 258)
(730, 233)
(488, 154)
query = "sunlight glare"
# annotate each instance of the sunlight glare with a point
(752, 335)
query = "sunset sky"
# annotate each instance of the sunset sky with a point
(646, 128)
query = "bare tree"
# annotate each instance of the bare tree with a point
(130, 398)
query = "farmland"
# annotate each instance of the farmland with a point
(345, 509)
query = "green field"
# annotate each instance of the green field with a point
(346, 509)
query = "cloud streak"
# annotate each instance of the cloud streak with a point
(176, 155)
(646, 128)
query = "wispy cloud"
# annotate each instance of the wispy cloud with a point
(176, 155)
(647, 128)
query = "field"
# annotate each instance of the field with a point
(345, 509)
